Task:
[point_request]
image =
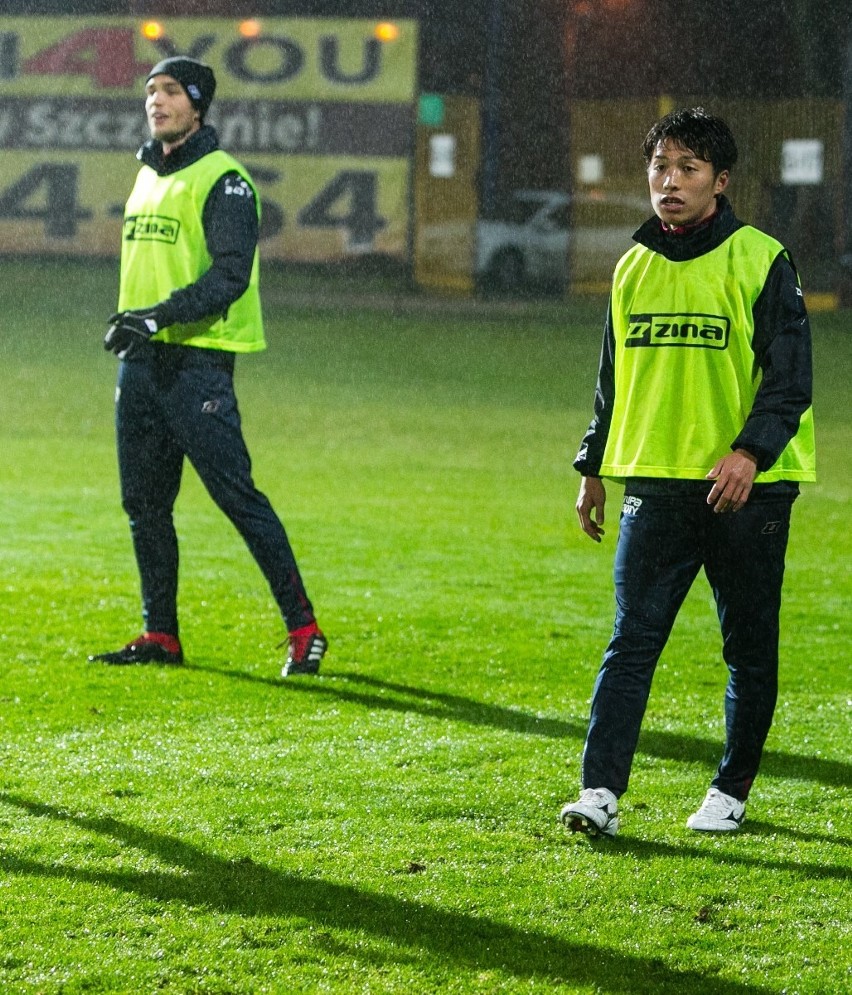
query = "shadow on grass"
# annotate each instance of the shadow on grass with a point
(469, 942)
(663, 745)
(404, 698)
(769, 829)
(391, 696)
(731, 856)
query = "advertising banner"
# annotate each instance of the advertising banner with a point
(321, 112)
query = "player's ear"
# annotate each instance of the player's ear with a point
(722, 180)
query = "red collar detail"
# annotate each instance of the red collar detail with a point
(688, 229)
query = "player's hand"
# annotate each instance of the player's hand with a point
(732, 476)
(590, 507)
(128, 329)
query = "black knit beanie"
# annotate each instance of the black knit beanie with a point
(195, 77)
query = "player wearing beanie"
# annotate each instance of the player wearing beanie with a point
(196, 78)
(189, 303)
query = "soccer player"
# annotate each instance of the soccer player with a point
(703, 410)
(188, 305)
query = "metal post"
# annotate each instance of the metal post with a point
(491, 108)
(844, 293)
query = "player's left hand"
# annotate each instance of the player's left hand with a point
(130, 328)
(732, 476)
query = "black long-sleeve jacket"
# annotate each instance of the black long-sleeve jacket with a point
(230, 231)
(781, 345)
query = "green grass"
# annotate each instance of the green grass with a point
(390, 826)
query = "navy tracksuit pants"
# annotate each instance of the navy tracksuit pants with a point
(667, 532)
(174, 402)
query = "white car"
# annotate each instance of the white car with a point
(546, 238)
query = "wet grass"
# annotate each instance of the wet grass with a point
(390, 826)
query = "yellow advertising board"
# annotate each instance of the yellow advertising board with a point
(319, 111)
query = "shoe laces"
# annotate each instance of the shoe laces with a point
(597, 796)
(718, 803)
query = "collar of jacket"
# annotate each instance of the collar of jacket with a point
(679, 248)
(199, 144)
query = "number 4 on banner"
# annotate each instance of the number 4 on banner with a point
(106, 55)
(59, 211)
(357, 190)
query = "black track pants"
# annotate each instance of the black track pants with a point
(664, 540)
(175, 402)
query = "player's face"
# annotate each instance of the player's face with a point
(171, 116)
(683, 187)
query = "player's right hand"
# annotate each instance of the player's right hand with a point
(128, 329)
(591, 502)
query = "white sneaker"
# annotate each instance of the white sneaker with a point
(719, 813)
(595, 811)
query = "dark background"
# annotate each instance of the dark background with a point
(526, 59)
(761, 48)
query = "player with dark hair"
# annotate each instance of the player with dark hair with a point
(703, 410)
(189, 303)
(708, 137)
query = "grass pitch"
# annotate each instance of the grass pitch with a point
(390, 826)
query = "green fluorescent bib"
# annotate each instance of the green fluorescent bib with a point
(684, 365)
(163, 249)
